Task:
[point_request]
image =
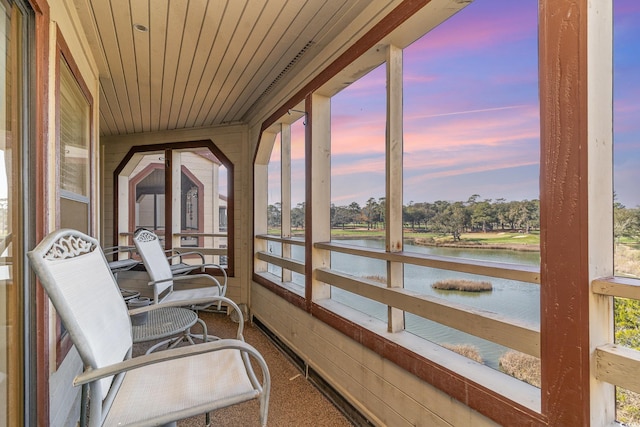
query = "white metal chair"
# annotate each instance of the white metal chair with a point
(118, 264)
(163, 279)
(176, 259)
(154, 389)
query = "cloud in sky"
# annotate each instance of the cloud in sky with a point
(470, 107)
(471, 111)
(457, 113)
(479, 28)
(353, 165)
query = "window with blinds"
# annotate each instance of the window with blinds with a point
(74, 163)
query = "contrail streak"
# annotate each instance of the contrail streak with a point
(457, 113)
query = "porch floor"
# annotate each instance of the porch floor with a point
(294, 400)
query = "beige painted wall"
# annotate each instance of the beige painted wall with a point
(386, 394)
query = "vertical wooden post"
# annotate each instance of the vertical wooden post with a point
(394, 185)
(575, 207)
(175, 199)
(123, 212)
(285, 198)
(599, 182)
(318, 194)
(260, 192)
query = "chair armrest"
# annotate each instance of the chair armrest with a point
(91, 375)
(115, 249)
(199, 276)
(188, 268)
(218, 266)
(179, 254)
(190, 277)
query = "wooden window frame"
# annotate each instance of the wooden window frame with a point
(63, 52)
(167, 148)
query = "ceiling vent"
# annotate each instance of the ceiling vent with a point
(286, 69)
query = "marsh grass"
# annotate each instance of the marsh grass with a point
(463, 285)
(525, 367)
(628, 407)
(467, 350)
(627, 261)
(521, 366)
(376, 278)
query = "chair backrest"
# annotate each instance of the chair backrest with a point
(154, 258)
(75, 274)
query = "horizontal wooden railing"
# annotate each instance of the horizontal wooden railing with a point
(622, 287)
(614, 363)
(520, 273)
(483, 324)
(297, 241)
(196, 234)
(286, 263)
(493, 327)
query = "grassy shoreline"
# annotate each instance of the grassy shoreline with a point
(504, 240)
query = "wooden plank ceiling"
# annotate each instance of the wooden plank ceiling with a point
(201, 62)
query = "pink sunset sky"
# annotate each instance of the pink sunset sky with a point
(471, 113)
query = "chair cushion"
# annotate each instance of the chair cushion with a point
(183, 268)
(193, 384)
(122, 265)
(192, 294)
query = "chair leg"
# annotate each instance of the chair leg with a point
(186, 336)
(205, 337)
(83, 405)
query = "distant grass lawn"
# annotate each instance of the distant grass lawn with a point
(475, 238)
(357, 232)
(503, 237)
(480, 238)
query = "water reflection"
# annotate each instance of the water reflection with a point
(509, 298)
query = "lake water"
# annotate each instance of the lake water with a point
(512, 299)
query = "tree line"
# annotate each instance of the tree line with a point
(453, 218)
(626, 221)
(445, 217)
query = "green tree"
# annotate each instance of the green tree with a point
(626, 222)
(274, 217)
(627, 322)
(354, 212)
(501, 208)
(340, 216)
(452, 219)
(380, 210)
(297, 216)
(369, 212)
(483, 215)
